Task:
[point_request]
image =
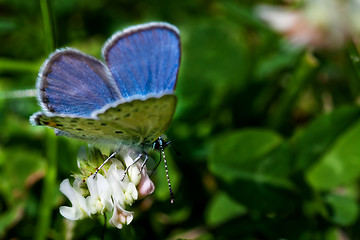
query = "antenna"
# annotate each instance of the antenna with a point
(161, 149)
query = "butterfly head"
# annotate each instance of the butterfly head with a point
(161, 143)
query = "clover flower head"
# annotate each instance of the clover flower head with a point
(112, 189)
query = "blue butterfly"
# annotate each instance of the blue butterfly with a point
(127, 102)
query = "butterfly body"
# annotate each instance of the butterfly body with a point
(129, 101)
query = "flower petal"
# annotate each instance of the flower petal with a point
(120, 216)
(79, 208)
(131, 193)
(100, 194)
(145, 186)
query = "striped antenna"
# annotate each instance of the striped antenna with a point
(167, 175)
(159, 144)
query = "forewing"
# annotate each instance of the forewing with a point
(144, 59)
(71, 82)
(145, 118)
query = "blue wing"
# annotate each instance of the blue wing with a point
(71, 82)
(144, 59)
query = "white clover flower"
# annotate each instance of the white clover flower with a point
(318, 24)
(108, 191)
(79, 208)
(100, 194)
(120, 217)
(80, 186)
(145, 186)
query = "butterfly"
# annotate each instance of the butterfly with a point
(127, 102)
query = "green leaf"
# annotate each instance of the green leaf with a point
(340, 165)
(203, 92)
(239, 153)
(222, 209)
(19, 167)
(254, 165)
(316, 138)
(10, 217)
(344, 210)
(332, 234)
(7, 25)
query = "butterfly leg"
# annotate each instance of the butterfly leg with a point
(144, 163)
(98, 169)
(135, 161)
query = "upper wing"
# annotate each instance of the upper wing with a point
(144, 59)
(139, 122)
(71, 82)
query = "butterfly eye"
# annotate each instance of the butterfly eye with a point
(161, 143)
(157, 144)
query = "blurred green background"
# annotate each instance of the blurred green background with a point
(269, 135)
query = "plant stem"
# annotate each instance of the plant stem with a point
(49, 187)
(48, 26)
(10, 65)
(280, 115)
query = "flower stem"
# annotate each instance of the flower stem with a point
(280, 115)
(104, 228)
(49, 187)
(48, 26)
